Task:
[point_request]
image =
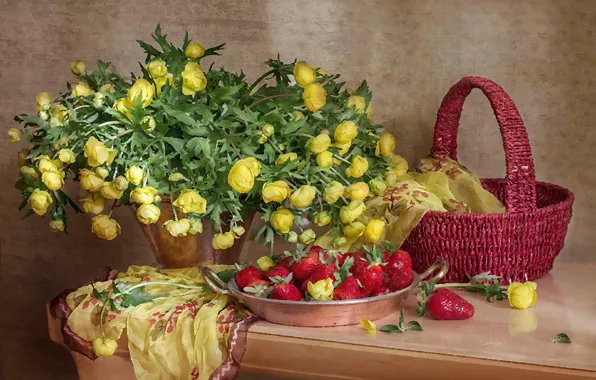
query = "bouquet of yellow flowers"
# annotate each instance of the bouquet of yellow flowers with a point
(207, 144)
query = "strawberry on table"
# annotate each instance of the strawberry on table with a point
(287, 292)
(258, 288)
(304, 263)
(278, 271)
(443, 304)
(248, 275)
(371, 275)
(398, 271)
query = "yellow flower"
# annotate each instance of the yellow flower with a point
(238, 231)
(177, 228)
(143, 89)
(399, 168)
(325, 159)
(45, 164)
(175, 177)
(22, 159)
(93, 203)
(321, 290)
(377, 186)
(67, 156)
(268, 130)
(59, 112)
(304, 74)
(43, 99)
(319, 143)
(29, 172)
(285, 157)
(241, 178)
(303, 197)
(104, 347)
(265, 263)
(322, 218)
(110, 191)
(78, 68)
(223, 241)
(196, 226)
(354, 229)
(252, 164)
(357, 191)
(276, 191)
(292, 237)
(297, 115)
(385, 145)
(98, 99)
(14, 135)
(121, 183)
(521, 295)
(54, 180)
(193, 79)
(314, 96)
(90, 180)
(339, 242)
(358, 168)
(97, 153)
(148, 123)
(194, 50)
(358, 103)
(157, 69)
(374, 230)
(39, 201)
(103, 172)
(191, 201)
(262, 140)
(160, 82)
(333, 192)
(124, 106)
(369, 326)
(281, 220)
(57, 225)
(343, 148)
(82, 89)
(107, 88)
(143, 195)
(148, 214)
(308, 237)
(351, 211)
(345, 132)
(134, 175)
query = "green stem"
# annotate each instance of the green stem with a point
(340, 176)
(270, 97)
(274, 145)
(259, 79)
(174, 207)
(301, 134)
(342, 159)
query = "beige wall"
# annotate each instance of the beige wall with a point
(542, 52)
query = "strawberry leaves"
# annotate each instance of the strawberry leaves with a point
(562, 338)
(401, 327)
(343, 272)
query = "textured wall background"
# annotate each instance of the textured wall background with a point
(542, 52)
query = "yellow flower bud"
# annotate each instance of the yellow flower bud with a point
(107, 88)
(148, 214)
(292, 237)
(98, 99)
(357, 103)
(377, 186)
(399, 165)
(82, 89)
(314, 96)
(262, 140)
(339, 242)
(241, 178)
(321, 290)
(354, 229)
(252, 164)
(67, 156)
(60, 112)
(193, 79)
(14, 135)
(191, 201)
(160, 82)
(343, 148)
(157, 69)
(43, 115)
(78, 68)
(143, 195)
(276, 191)
(265, 263)
(374, 230)
(333, 192)
(322, 218)
(194, 50)
(283, 158)
(281, 220)
(223, 240)
(357, 191)
(124, 106)
(308, 237)
(304, 74)
(39, 201)
(54, 180)
(238, 231)
(345, 132)
(175, 177)
(93, 203)
(57, 225)
(143, 89)
(103, 172)
(97, 153)
(319, 143)
(29, 172)
(148, 123)
(196, 227)
(297, 115)
(45, 164)
(177, 228)
(325, 159)
(134, 175)
(303, 197)
(522, 296)
(54, 122)
(103, 347)
(351, 211)
(110, 191)
(90, 180)
(385, 145)
(268, 130)
(358, 168)
(43, 99)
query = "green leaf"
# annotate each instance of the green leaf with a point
(401, 323)
(227, 275)
(391, 329)
(421, 309)
(136, 297)
(176, 143)
(101, 296)
(562, 338)
(414, 326)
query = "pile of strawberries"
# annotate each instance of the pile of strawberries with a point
(367, 273)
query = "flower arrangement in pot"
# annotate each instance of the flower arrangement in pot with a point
(193, 149)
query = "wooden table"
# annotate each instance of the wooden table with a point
(497, 343)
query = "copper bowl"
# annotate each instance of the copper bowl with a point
(322, 314)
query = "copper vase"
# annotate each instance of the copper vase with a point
(191, 250)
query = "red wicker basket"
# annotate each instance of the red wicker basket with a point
(519, 245)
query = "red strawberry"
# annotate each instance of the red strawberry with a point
(371, 275)
(278, 271)
(340, 258)
(321, 273)
(285, 262)
(305, 265)
(386, 256)
(443, 304)
(398, 272)
(286, 292)
(258, 288)
(348, 290)
(380, 291)
(247, 276)
(359, 261)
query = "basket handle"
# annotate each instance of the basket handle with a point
(214, 282)
(520, 178)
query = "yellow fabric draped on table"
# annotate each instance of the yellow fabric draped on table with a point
(184, 335)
